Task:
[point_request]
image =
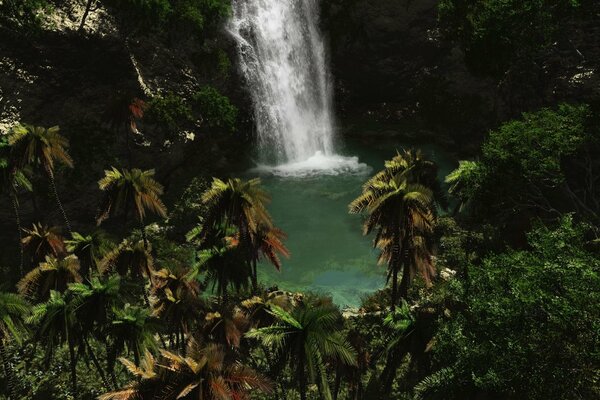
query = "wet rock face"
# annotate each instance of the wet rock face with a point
(390, 63)
(390, 60)
(379, 48)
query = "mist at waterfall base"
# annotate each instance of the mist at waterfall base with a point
(283, 59)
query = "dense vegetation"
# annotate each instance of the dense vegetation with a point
(493, 276)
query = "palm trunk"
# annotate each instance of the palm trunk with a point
(58, 202)
(15, 204)
(88, 7)
(223, 288)
(162, 341)
(303, 387)
(97, 365)
(36, 207)
(254, 276)
(73, 365)
(136, 356)
(359, 390)
(394, 264)
(144, 236)
(405, 278)
(337, 383)
(394, 288)
(146, 298)
(111, 356)
(128, 145)
(183, 343)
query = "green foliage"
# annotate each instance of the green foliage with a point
(216, 109)
(496, 33)
(533, 167)
(199, 14)
(13, 310)
(305, 338)
(223, 63)
(183, 16)
(12, 178)
(530, 317)
(170, 111)
(186, 210)
(26, 14)
(142, 12)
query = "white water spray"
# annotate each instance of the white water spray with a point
(282, 56)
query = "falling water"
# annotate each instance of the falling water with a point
(283, 58)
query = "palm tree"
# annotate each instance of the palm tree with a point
(237, 203)
(267, 242)
(306, 338)
(413, 165)
(52, 275)
(42, 241)
(89, 249)
(12, 179)
(133, 259)
(131, 191)
(129, 258)
(206, 373)
(242, 205)
(402, 214)
(221, 268)
(131, 329)
(226, 326)
(41, 147)
(13, 311)
(176, 302)
(463, 181)
(93, 305)
(55, 325)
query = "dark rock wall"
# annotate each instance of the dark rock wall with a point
(391, 62)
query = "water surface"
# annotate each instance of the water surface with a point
(329, 253)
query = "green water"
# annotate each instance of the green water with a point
(329, 255)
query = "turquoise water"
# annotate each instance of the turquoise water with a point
(329, 255)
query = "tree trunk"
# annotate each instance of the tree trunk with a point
(337, 383)
(15, 204)
(136, 356)
(405, 279)
(36, 207)
(183, 343)
(97, 365)
(58, 202)
(405, 282)
(144, 236)
(394, 288)
(128, 145)
(146, 298)
(88, 7)
(73, 365)
(302, 378)
(394, 264)
(111, 356)
(254, 276)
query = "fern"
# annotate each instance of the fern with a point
(434, 384)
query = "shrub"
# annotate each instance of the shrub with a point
(216, 109)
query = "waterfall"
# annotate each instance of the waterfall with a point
(283, 58)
